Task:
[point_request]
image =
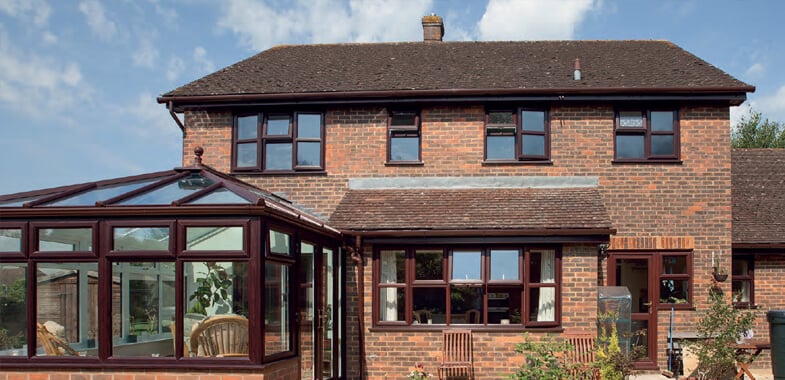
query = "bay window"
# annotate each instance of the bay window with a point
(457, 286)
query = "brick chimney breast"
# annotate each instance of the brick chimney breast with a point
(432, 28)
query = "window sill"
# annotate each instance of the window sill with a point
(655, 162)
(439, 328)
(516, 162)
(281, 173)
(404, 163)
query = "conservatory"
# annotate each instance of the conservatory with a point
(184, 268)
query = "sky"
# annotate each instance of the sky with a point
(79, 78)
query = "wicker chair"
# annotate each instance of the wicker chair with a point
(221, 336)
(53, 346)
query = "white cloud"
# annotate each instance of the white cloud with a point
(36, 10)
(174, 68)
(146, 55)
(168, 14)
(49, 38)
(261, 26)
(200, 57)
(772, 106)
(97, 20)
(532, 20)
(36, 85)
(756, 69)
(148, 119)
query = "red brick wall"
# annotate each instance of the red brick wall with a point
(688, 199)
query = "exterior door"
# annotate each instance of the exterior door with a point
(638, 273)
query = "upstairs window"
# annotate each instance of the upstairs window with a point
(278, 142)
(743, 280)
(643, 135)
(403, 137)
(522, 135)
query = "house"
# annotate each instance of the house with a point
(411, 188)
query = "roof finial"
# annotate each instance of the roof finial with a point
(198, 152)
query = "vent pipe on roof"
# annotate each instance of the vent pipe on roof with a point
(432, 28)
(576, 75)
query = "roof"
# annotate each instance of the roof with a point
(540, 210)
(196, 190)
(758, 183)
(455, 68)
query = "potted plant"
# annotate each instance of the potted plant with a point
(719, 274)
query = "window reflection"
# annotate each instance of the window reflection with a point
(13, 310)
(65, 239)
(10, 239)
(466, 306)
(466, 265)
(276, 319)
(214, 238)
(504, 264)
(429, 265)
(141, 239)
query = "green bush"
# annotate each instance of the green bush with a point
(542, 359)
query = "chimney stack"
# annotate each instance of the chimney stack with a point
(432, 28)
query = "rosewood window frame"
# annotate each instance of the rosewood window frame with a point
(672, 278)
(741, 277)
(263, 136)
(403, 131)
(648, 132)
(523, 284)
(516, 129)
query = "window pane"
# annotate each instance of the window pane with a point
(219, 196)
(543, 266)
(674, 265)
(247, 127)
(172, 192)
(392, 304)
(404, 148)
(278, 156)
(65, 239)
(630, 146)
(661, 121)
(279, 243)
(500, 147)
(533, 120)
(309, 154)
(67, 304)
(430, 305)
(141, 239)
(213, 289)
(88, 198)
(278, 125)
(500, 118)
(403, 119)
(429, 265)
(662, 145)
(504, 305)
(533, 145)
(542, 304)
(741, 290)
(466, 304)
(392, 267)
(309, 125)
(306, 282)
(630, 120)
(214, 238)
(10, 239)
(142, 309)
(740, 267)
(504, 264)
(13, 310)
(674, 291)
(466, 265)
(246, 155)
(276, 321)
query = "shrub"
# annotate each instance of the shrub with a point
(542, 359)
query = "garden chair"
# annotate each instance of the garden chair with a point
(221, 336)
(581, 356)
(457, 358)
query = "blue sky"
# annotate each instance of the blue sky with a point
(79, 78)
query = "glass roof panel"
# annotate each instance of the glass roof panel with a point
(19, 201)
(220, 196)
(171, 192)
(88, 198)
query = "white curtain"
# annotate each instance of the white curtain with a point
(388, 296)
(546, 310)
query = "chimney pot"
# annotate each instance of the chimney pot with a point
(432, 28)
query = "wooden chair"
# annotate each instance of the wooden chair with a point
(472, 316)
(53, 346)
(457, 358)
(422, 315)
(221, 336)
(581, 356)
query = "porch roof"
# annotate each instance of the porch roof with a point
(498, 211)
(758, 181)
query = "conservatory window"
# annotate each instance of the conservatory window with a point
(67, 304)
(13, 309)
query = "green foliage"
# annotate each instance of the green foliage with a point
(753, 131)
(542, 359)
(718, 329)
(211, 289)
(8, 341)
(612, 362)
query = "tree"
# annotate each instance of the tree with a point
(753, 131)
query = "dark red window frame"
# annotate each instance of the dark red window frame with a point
(518, 131)
(748, 277)
(263, 137)
(647, 133)
(404, 131)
